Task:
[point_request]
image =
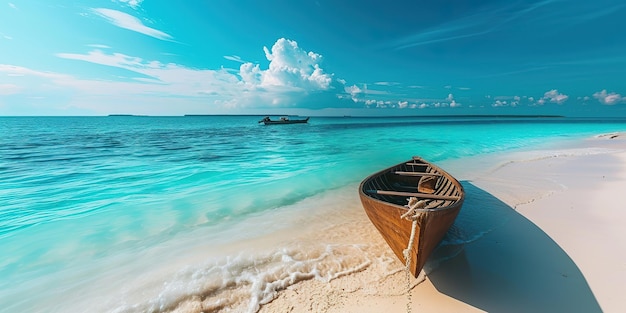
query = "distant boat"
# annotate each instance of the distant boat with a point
(435, 196)
(283, 120)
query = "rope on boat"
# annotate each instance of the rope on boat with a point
(413, 216)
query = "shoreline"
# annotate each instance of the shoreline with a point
(548, 237)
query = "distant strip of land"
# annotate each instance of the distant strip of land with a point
(126, 115)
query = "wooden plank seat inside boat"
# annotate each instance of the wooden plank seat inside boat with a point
(428, 178)
(418, 195)
(416, 174)
(427, 184)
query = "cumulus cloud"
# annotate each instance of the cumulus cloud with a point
(512, 101)
(499, 103)
(292, 76)
(554, 96)
(453, 103)
(127, 21)
(251, 74)
(608, 98)
(381, 104)
(290, 66)
(354, 92)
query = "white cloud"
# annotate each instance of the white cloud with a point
(196, 91)
(412, 103)
(250, 74)
(369, 91)
(608, 98)
(163, 78)
(386, 83)
(354, 92)
(499, 103)
(9, 89)
(99, 46)
(131, 3)
(293, 74)
(18, 71)
(380, 104)
(12, 6)
(235, 58)
(291, 66)
(127, 21)
(554, 96)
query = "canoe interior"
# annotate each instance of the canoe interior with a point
(385, 210)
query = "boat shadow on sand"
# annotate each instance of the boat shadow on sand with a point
(495, 259)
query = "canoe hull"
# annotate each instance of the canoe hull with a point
(283, 122)
(432, 224)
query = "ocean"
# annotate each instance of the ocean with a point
(154, 214)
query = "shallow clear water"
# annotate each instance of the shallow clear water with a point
(92, 207)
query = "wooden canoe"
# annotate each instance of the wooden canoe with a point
(385, 194)
(283, 120)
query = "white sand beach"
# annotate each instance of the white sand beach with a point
(553, 241)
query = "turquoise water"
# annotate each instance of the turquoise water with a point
(133, 214)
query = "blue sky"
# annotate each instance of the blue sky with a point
(322, 57)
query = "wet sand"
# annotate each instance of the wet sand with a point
(542, 232)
